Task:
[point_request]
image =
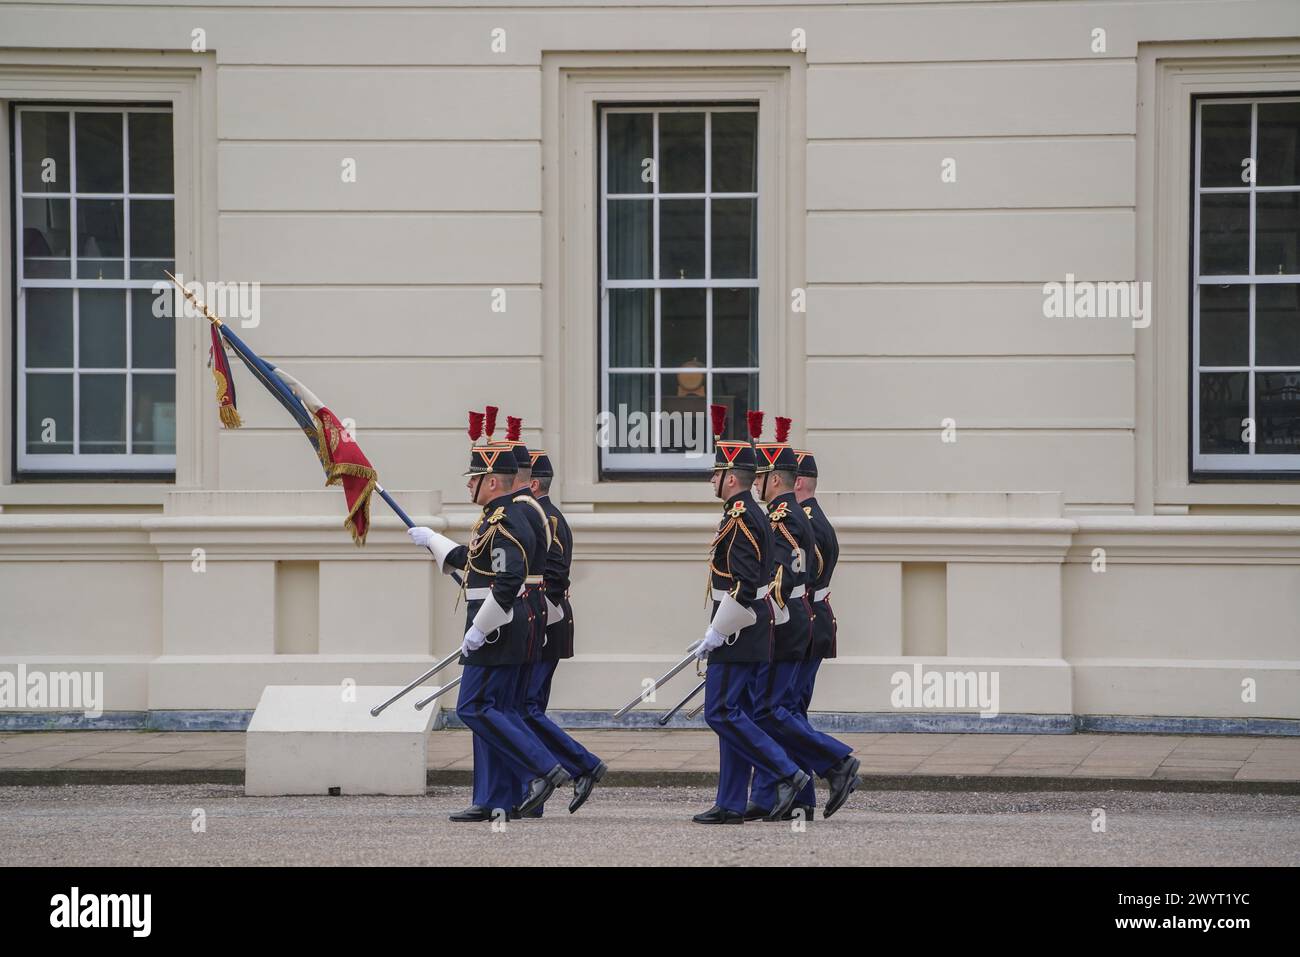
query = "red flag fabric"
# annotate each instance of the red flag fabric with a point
(346, 464)
(225, 383)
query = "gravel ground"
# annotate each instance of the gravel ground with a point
(148, 825)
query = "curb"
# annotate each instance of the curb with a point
(57, 777)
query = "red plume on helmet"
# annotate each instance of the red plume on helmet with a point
(513, 427)
(754, 419)
(490, 425)
(718, 413)
(782, 428)
(475, 426)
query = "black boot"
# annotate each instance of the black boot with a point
(719, 815)
(755, 812)
(842, 780)
(476, 812)
(539, 789)
(787, 792)
(584, 784)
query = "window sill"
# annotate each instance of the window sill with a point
(92, 493)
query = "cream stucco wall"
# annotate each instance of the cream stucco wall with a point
(924, 304)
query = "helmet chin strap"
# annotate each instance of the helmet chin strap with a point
(478, 488)
(763, 493)
(722, 480)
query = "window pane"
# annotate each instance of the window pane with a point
(153, 414)
(1278, 144)
(102, 336)
(1225, 234)
(631, 239)
(45, 153)
(1224, 407)
(681, 152)
(49, 414)
(681, 239)
(151, 152)
(153, 339)
(153, 230)
(1277, 325)
(630, 145)
(1277, 233)
(49, 328)
(631, 328)
(99, 152)
(103, 414)
(682, 318)
(683, 425)
(1277, 413)
(735, 145)
(1225, 143)
(46, 238)
(735, 254)
(99, 239)
(735, 328)
(631, 402)
(1225, 325)
(738, 391)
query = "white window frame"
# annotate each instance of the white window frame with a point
(77, 461)
(187, 82)
(1170, 77)
(1251, 461)
(574, 88)
(658, 460)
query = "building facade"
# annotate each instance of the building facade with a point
(1026, 277)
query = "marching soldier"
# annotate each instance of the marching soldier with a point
(739, 638)
(584, 767)
(534, 690)
(826, 557)
(500, 630)
(778, 690)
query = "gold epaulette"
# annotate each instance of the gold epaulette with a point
(779, 513)
(736, 510)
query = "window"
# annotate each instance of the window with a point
(678, 281)
(94, 215)
(1246, 286)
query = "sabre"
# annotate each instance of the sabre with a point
(378, 709)
(419, 705)
(690, 656)
(694, 712)
(668, 716)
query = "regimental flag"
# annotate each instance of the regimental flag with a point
(340, 455)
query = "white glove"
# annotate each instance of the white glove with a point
(712, 639)
(554, 613)
(439, 544)
(421, 536)
(473, 640)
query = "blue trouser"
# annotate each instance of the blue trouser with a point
(783, 691)
(742, 744)
(536, 687)
(503, 745)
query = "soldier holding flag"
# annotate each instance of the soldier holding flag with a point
(496, 563)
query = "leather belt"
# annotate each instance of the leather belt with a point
(478, 594)
(721, 593)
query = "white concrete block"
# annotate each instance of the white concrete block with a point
(306, 739)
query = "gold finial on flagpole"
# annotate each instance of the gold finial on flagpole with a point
(202, 306)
